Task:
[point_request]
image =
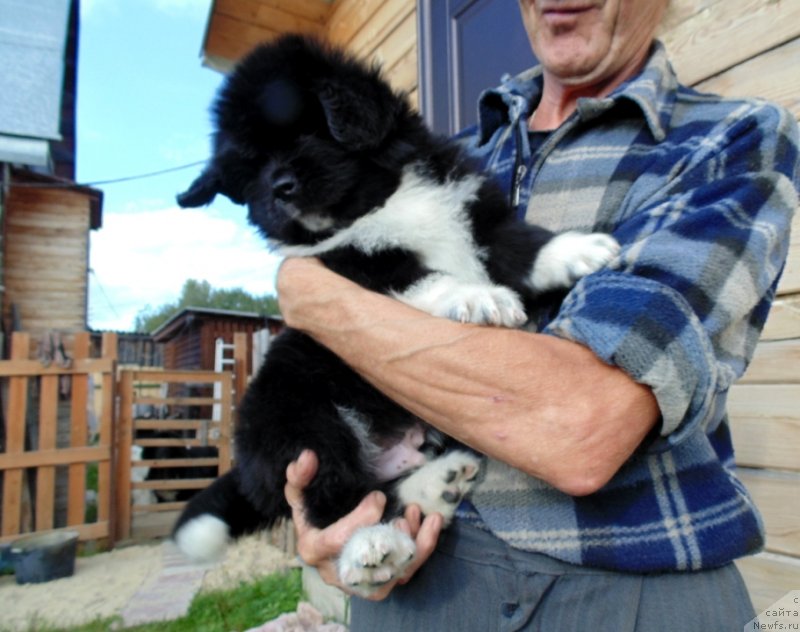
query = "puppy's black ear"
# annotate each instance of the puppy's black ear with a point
(359, 113)
(201, 191)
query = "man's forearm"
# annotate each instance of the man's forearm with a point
(546, 406)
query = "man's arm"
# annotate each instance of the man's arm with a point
(544, 405)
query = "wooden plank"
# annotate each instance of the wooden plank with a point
(30, 368)
(224, 441)
(122, 474)
(178, 443)
(389, 16)
(679, 11)
(769, 577)
(86, 532)
(775, 495)
(347, 18)
(176, 483)
(170, 424)
(239, 366)
(790, 281)
(248, 10)
(775, 363)
(170, 377)
(772, 75)
(700, 46)
(176, 401)
(79, 433)
(62, 456)
(46, 474)
(158, 463)
(784, 319)
(107, 438)
(159, 507)
(399, 42)
(15, 439)
(765, 422)
(404, 75)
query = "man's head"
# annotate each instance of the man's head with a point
(589, 42)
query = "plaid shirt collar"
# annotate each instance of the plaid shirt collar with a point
(653, 90)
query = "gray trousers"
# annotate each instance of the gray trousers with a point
(475, 582)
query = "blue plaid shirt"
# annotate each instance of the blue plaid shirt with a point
(700, 192)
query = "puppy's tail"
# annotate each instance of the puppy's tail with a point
(214, 517)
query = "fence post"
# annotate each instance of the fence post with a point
(123, 456)
(15, 437)
(106, 476)
(79, 434)
(239, 366)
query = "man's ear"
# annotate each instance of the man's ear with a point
(202, 190)
(359, 113)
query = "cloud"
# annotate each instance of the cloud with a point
(143, 257)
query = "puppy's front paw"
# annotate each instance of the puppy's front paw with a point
(477, 303)
(373, 557)
(570, 256)
(439, 485)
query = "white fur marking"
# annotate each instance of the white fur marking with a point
(568, 257)
(423, 216)
(203, 539)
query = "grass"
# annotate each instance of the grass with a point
(246, 606)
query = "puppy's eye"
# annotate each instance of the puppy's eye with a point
(285, 186)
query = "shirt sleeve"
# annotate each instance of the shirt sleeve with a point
(683, 306)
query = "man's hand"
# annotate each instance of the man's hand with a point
(321, 547)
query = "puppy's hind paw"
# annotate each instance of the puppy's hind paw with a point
(441, 484)
(374, 556)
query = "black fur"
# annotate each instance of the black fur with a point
(305, 131)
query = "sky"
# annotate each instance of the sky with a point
(143, 107)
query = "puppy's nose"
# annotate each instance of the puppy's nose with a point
(284, 186)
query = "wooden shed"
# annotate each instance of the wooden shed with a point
(189, 337)
(731, 47)
(46, 227)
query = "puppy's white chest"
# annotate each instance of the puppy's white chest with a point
(424, 216)
(430, 219)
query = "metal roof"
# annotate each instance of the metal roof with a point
(32, 43)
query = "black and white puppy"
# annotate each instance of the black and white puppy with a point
(332, 163)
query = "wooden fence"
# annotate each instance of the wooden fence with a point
(48, 441)
(188, 418)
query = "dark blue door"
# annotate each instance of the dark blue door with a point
(465, 47)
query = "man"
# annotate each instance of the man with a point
(609, 500)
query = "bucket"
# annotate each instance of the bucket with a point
(42, 557)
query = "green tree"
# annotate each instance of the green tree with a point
(200, 294)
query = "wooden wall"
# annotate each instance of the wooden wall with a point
(752, 48)
(384, 31)
(46, 259)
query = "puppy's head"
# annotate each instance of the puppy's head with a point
(301, 137)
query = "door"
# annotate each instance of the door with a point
(465, 47)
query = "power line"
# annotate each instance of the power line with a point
(103, 292)
(56, 185)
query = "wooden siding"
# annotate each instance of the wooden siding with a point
(385, 32)
(744, 48)
(46, 259)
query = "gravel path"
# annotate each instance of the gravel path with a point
(106, 584)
